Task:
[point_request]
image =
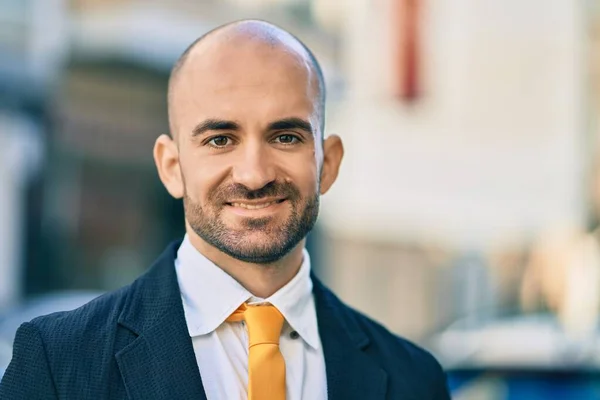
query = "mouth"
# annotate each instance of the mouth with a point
(254, 205)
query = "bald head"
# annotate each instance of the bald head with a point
(231, 43)
(248, 157)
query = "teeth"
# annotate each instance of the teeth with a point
(253, 206)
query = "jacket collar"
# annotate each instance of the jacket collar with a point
(160, 363)
(351, 373)
(161, 359)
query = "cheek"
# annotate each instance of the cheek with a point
(201, 177)
(304, 175)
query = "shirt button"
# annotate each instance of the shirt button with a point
(294, 335)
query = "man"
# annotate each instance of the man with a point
(232, 312)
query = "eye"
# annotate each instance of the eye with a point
(286, 139)
(219, 141)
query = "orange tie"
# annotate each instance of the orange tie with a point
(266, 367)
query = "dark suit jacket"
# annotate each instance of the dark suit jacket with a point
(133, 344)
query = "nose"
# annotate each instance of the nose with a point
(254, 167)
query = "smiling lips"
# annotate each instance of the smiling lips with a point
(255, 205)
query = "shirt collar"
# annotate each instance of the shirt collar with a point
(210, 295)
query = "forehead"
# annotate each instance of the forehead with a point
(243, 79)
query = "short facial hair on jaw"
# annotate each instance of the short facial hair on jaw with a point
(236, 244)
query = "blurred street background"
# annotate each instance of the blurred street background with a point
(466, 214)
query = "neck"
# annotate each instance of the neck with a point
(262, 280)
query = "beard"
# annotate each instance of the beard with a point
(257, 240)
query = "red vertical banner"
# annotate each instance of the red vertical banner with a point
(409, 55)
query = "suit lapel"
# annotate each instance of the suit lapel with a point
(351, 374)
(160, 363)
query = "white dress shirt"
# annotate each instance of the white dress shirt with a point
(210, 295)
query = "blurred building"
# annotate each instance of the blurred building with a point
(488, 149)
(86, 83)
(466, 126)
(32, 48)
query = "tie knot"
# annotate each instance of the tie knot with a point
(264, 323)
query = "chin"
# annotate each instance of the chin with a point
(248, 227)
(259, 240)
(258, 254)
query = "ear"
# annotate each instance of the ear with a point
(333, 152)
(166, 158)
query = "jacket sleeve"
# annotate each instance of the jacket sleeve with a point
(28, 375)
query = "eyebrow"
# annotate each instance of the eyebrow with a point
(214, 125)
(291, 123)
(284, 124)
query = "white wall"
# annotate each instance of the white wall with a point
(493, 150)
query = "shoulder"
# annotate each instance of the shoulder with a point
(405, 361)
(60, 351)
(407, 364)
(412, 354)
(154, 292)
(378, 335)
(92, 320)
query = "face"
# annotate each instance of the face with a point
(248, 150)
